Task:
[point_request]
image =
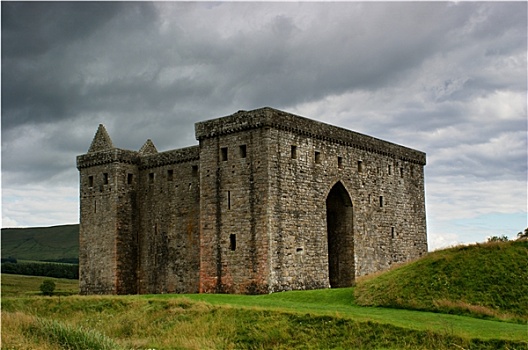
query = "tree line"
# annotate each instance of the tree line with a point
(70, 271)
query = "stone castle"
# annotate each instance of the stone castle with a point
(268, 201)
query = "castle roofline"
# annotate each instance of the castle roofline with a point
(106, 157)
(175, 156)
(280, 120)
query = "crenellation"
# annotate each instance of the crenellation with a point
(268, 201)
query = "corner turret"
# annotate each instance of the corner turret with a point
(101, 140)
(148, 148)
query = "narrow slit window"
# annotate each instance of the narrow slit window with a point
(401, 171)
(390, 169)
(151, 178)
(130, 178)
(105, 178)
(223, 152)
(243, 151)
(228, 199)
(360, 166)
(90, 181)
(392, 232)
(381, 201)
(232, 242)
(170, 175)
(317, 157)
(340, 162)
(293, 152)
(195, 170)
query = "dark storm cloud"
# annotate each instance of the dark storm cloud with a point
(43, 54)
(445, 78)
(36, 28)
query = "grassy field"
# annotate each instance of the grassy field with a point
(472, 297)
(27, 286)
(321, 319)
(41, 243)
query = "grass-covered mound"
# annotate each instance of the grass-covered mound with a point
(485, 280)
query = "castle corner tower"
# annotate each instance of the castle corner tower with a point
(108, 227)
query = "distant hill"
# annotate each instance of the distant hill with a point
(486, 280)
(53, 243)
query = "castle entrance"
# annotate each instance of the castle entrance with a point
(340, 235)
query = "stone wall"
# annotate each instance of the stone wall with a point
(233, 177)
(169, 208)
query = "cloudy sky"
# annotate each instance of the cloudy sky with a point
(449, 79)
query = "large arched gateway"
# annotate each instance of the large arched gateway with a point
(340, 235)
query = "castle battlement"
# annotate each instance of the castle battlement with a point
(176, 156)
(273, 118)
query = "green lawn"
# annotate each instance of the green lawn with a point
(340, 303)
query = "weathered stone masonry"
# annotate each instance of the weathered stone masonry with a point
(268, 201)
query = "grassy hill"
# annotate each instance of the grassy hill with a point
(485, 280)
(41, 243)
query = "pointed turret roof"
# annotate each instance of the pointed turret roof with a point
(148, 148)
(101, 140)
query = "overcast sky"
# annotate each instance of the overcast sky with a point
(449, 79)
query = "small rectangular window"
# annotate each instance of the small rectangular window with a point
(232, 242)
(293, 152)
(360, 166)
(340, 162)
(195, 170)
(223, 152)
(401, 171)
(242, 150)
(105, 178)
(130, 178)
(390, 169)
(392, 232)
(151, 178)
(170, 175)
(381, 201)
(90, 181)
(228, 199)
(317, 157)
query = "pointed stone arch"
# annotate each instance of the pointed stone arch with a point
(340, 237)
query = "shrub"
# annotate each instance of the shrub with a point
(502, 238)
(47, 287)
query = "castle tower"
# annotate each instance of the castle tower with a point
(108, 224)
(290, 203)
